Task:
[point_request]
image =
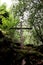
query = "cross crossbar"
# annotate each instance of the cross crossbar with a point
(20, 28)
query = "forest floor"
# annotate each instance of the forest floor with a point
(15, 55)
(21, 56)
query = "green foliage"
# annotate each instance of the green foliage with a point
(10, 19)
(36, 20)
(7, 21)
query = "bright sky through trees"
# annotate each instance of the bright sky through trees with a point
(8, 2)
